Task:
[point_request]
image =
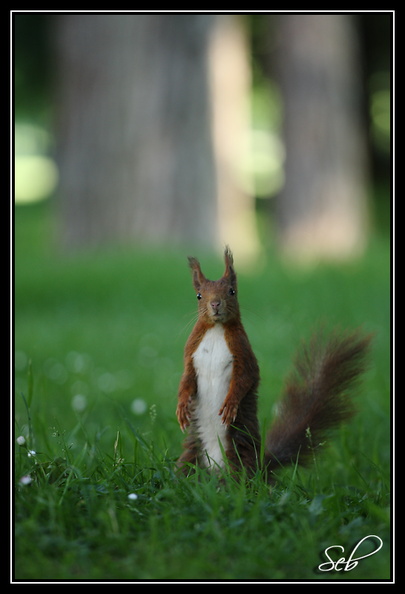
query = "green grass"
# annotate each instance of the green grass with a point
(99, 339)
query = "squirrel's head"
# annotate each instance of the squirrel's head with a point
(217, 300)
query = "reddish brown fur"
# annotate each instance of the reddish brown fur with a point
(315, 401)
(317, 397)
(239, 408)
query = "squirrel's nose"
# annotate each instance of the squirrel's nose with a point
(215, 304)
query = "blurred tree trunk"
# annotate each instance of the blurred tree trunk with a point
(230, 77)
(135, 151)
(322, 209)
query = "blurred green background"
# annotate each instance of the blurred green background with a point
(101, 334)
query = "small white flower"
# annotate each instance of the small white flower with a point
(25, 480)
(138, 406)
(132, 496)
(79, 402)
(20, 440)
(31, 453)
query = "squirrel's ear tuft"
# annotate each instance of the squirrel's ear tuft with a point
(198, 277)
(229, 269)
(228, 255)
(193, 263)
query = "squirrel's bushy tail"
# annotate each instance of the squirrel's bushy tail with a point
(316, 397)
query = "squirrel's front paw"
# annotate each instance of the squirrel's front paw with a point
(228, 411)
(183, 415)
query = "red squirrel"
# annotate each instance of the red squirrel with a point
(217, 399)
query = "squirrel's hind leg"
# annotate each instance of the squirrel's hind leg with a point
(189, 457)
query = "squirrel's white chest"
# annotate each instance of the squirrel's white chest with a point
(213, 362)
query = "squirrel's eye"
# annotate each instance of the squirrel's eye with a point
(199, 295)
(232, 291)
